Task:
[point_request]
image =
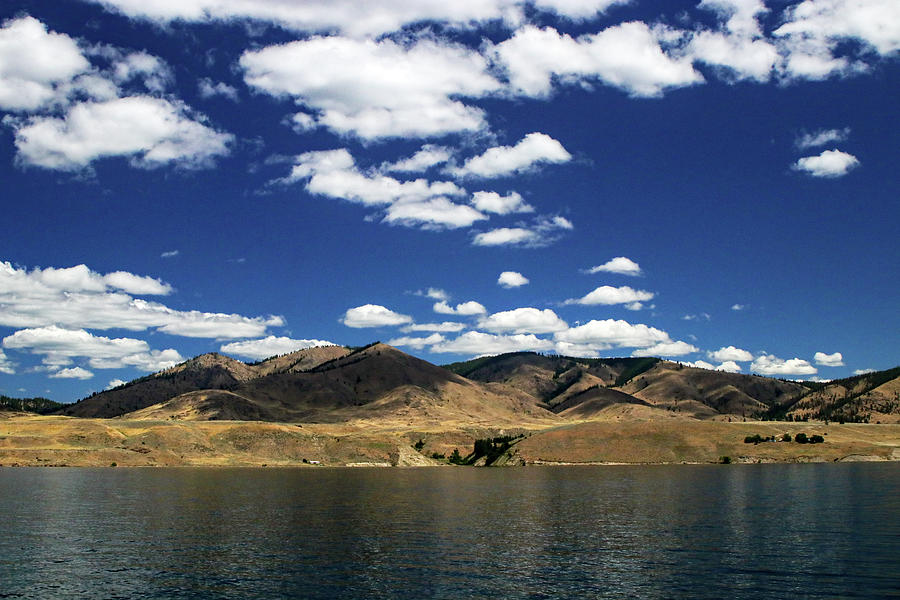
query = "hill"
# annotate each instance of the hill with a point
(375, 382)
(604, 388)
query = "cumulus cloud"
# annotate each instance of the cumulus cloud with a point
(270, 346)
(829, 360)
(543, 232)
(373, 315)
(769, 364)
(534, 149)
(511, 279)
(609, 295)
(620, 265)
(830, 163)
(434, 213)
(823, 38)
(730, 353)
(822, 137)
(666, 349)
(738, 307)
(477, 343)
(729, 366)
(493, 202)
(210, 89)
(376, 89)
(738, 47)
(627, 56)
(6, 366)
(863, 371)
(72, 373)
(698, 364)
(445, 327)
(428, 156)
(151, 131)
(465, 308)
(611, 333)
(523, 320)
(351, 17)
(59, 346)
(77, 297)
(417, 342)
(114, 383)
(434, 294)
(34, 62)
(333, 173)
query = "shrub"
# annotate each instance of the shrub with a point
(753, 439)
(437, 456)
(419, 445)
(816, 439)
(786, 437)
(800, 438)
(724, 460)
(455, 457)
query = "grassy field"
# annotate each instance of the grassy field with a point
(28, 440)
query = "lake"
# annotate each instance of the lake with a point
(729, 531)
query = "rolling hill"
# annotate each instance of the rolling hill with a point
(378, 383)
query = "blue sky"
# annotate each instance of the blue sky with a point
(709, 182)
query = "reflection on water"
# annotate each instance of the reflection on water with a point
(741, 531)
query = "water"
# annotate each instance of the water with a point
(739, 531)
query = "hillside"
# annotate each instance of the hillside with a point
(604, 388)
(376, 383)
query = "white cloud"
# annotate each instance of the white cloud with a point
(666, 349)
(620, 265)
(445, 327)
(738, 306)
(466, 308)
(72, 373)
(609, 295)
(769, 364)
(830, 163)
(863, 371)
(270, 346)
(612, 333)
(373, 315)
(417, 342)
(534, 149)
(814, 36)
(434, 294)
(829, 360)
(627, 56)
(34, 62)
(872, 22)
(434, 213)
(114, 383)
(478, 343)
(376, 89)
(170, 254)
(352, 17)
(740, 48)
(6, 366)
(422, 203)
(698, 364)
(523, 320)
(822, 137)
(59, 346)
(77, 297)
(428, 156)
(701, 316)
(152, 131)
(543, 232)
(730, 353)
(493, 202)
(210, 89)
(729, 366)
(511, 279)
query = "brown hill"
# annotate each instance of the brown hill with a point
(704, 394)
(582, 388)
(211, 371)
(377, 382)
(872, 397)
